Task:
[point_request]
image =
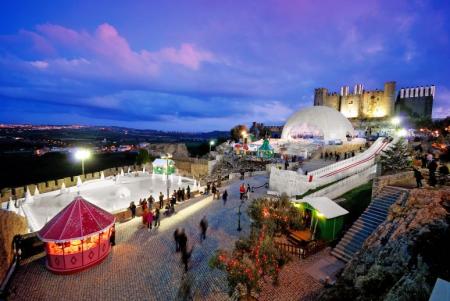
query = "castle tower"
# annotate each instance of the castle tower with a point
(320, 96)
(389, 97)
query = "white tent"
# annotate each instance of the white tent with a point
(317, 121)
(329, 208)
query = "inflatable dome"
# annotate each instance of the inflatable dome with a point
(317, 122)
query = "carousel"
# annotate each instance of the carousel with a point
(78, 237)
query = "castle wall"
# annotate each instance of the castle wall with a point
(350, 106)
(374, 105)
(332, 101)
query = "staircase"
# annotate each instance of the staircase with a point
(366, 224)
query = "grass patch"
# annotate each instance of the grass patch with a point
(356, 201)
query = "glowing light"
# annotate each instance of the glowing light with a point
(82, 154)
(395, 120)
(320, 215)
(402, 133)
(211, 142)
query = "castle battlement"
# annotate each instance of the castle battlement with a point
(417, 92)
(361, 103)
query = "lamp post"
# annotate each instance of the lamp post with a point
(239, 217)
(167, 157)
(82, 154)
(211, 143)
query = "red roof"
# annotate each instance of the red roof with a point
(76, 221)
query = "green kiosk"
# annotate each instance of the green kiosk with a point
(265, 150)
(324, 217)
(163, 166)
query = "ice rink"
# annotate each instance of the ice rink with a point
(110, 194)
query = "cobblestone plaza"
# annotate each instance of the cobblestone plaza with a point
(144, 266)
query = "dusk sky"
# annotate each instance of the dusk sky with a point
(207, 65)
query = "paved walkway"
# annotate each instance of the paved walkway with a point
(143, 265)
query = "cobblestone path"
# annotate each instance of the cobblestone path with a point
(143, 265)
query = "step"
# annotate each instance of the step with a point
(375, 213)
(363, 229)
(373, 216)
(340, 255)
(347, 240)
(375, 208)
(356, 233)
(378, 207)
(369, 224)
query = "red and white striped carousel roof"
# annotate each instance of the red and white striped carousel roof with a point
(76, 221)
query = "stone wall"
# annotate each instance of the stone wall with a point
(11, 224)
(402, 179)
(192, 167)
(52, 185)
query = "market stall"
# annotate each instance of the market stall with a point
(77, 237)
(323, 216)
(265, 150)
(163, 166)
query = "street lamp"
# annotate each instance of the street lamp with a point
(396, 120)
(239, 217)
(211, 143)
(167, 157)
(82, 154)
(402, 132)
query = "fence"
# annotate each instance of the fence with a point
(337, 189)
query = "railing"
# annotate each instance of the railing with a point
(311, 248)
(291, 249)
(341, 187)
(375, 148)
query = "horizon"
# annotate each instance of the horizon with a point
(203, 66)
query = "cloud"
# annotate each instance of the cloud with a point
(107, 53)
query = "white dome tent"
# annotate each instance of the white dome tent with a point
(317, 122)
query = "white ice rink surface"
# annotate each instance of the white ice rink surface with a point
(108, 194)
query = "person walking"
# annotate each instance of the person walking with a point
(157, 218)
(214, 190)
(173, 201)
(151, 201)
(185, 256)
(112, 238)
(241, 191)
(432, 166)
(176, 236)
(188, 192)
(149, 220)
(182, 240)
(224, 197)
(418, 176)
(161, 200)
(132, 209)
(203, 228)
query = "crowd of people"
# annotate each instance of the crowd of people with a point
(438, 172)
(337, 156)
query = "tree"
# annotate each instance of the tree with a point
(236, 132)
(142, 157)
(397, 157)
(251, 261)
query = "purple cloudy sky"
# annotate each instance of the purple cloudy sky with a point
(205, 65)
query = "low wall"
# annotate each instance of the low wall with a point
(405, 178)
(290, 182)
(52, 185)
(192, 167)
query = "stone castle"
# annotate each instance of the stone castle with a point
(364, 104)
